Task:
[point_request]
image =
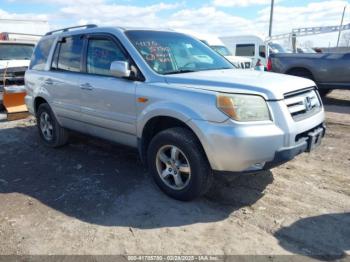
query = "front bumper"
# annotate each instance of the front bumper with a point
(310, 141)
(233, 147)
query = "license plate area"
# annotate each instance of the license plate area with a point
(315, 138)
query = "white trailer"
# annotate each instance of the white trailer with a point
(32, 27)
(250, 46)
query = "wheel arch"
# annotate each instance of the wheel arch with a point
(157, 124)
(302, 70)
(37, 102)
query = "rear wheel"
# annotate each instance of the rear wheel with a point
(50, 131)
(178, 164)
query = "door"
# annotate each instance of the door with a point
(62, 81)
(107, 102)
(333, 69)
(263, 49)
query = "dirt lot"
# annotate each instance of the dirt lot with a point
(92, 197)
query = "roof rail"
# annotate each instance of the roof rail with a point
(68, 28)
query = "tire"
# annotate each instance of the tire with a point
(51, 133)
(197, 181)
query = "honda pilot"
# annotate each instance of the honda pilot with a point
(186, 109)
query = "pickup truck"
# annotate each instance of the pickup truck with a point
(186, 109)
(329, 70)
(15, 53)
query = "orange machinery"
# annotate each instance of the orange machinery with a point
(13, 101)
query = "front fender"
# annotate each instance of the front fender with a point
(167, 109)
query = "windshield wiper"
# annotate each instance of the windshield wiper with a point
(221, 68)
(180, 71)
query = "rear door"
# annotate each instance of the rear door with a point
(108, 103)
(62, 81)
(333, 69)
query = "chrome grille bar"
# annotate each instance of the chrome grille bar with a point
(302, 104)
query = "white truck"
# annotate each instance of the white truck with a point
(17, 41)
(251, 46)
(217, 45)
(246, 46)
(15, 52)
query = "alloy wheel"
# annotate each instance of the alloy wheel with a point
(173, 167)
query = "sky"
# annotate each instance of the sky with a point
(215, 17)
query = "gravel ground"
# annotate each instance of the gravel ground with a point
(92, 197)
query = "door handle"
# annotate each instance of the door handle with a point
(86, 86)
(49, 81)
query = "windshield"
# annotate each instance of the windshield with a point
(276, 48)
(171, 53)
(16, 51)
(222, 50)
(306, 50)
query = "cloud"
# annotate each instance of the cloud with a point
(62, 2)
(28, 16)
(116, 14)
(240, 3)
(313, 14)
(208, 19)
(24, 25)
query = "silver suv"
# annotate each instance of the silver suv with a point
(189, 112)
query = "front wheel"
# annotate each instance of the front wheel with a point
(178, 164)
(50, 131)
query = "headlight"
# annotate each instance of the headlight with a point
(244, 108)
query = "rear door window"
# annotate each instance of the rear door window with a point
(245, 50)
(41, 54)
(68, 54)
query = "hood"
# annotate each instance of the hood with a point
(14, 63)
(271, 86)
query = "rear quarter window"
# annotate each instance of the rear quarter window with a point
(41, 53)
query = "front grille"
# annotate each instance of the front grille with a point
(302, 104)
(305, 135)
(12, 80)
(245, 65)
(13, 76)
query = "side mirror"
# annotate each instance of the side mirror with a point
(120, 69)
